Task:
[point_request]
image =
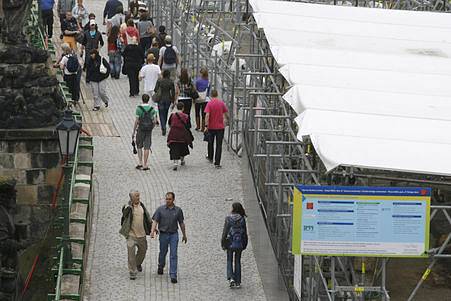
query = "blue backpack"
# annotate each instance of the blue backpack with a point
(72, 63)
(235, 236)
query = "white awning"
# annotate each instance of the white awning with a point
(372, 87)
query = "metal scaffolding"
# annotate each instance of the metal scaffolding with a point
(223, 36)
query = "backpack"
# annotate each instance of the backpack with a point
(72, 63)
(145, 121)
(169, 56)
(235, 236)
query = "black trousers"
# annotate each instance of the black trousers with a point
(187, 104)
(133, 80)
(47, 21)
(71, 82)
(217, 135)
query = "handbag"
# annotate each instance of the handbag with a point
(190, 135)
(193, 92)
(102, 68)
(124, 69)
(207, 136)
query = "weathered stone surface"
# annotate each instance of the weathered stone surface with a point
(27, 194)
(18, 174)
(45, 160)
(29, 95)
(6, 161)
(22, 160)
(49, 146)
(52, 176)
(45, 193)
(35, 176)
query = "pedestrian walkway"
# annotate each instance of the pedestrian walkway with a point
(203, 192)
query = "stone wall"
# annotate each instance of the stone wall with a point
(31, 157)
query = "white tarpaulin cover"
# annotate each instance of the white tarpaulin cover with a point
(372, 87)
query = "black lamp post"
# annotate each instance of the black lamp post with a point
(68, 132)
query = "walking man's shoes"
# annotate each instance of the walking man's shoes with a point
(232, 283)
(160, 271)
(139, 268)
(174, 280)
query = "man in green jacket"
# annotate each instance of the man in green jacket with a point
(136, 223)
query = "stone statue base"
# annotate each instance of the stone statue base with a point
(29, 93)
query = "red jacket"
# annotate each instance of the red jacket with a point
(178, 132)
(131, 31)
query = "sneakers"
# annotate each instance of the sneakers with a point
(232, 283)
(182, 161)
(96, 108)
(217, 166)
(132, 276)
(174, 280)
(163, 132)
(160, 271)
(237, 285)
(209, 160)
(175, 167)
(139, 268)
(106, 104)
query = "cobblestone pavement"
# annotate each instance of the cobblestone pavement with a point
(201, 191)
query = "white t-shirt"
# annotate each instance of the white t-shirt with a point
(150, 73)
(168, 66)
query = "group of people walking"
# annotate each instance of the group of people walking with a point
(141, 52)
(137, 223)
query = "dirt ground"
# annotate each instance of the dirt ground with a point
(404, 274)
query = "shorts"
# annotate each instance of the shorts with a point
(144, 139)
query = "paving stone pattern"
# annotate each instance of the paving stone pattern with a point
(201, 191)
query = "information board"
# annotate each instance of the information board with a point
(361, 221)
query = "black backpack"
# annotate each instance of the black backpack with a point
(169, 56)
(72, 63)
(145, 121)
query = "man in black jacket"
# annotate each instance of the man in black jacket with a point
(92, 39)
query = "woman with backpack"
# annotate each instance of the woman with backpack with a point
(185, 90)
(70, 65)
(97, 71)
(114, 52)
(234, 241)
(165, 96)
(179, 137)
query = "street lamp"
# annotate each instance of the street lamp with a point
(68, 131)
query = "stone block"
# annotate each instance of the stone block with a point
(22, 161)
(18, 174)
(35, 176)
(45, 160)
(33, 146)
(6, 160)
(27, 194)
(45, 193)
(49, 146)
(52, 176)
(3, 146)
(16, 147)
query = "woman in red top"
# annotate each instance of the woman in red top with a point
(114, 52)
(130, 32)
(179, 137)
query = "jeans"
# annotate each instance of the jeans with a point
(145, 43)
(133, 80)
(170, 240)
(234, 272)
(115, 59)
(47, 21)
(219, 135)
(163, 111)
